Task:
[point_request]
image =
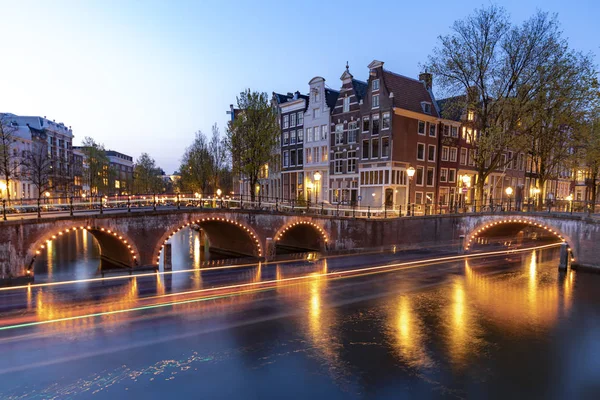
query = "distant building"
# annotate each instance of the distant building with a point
(59, 140)
(120, 177)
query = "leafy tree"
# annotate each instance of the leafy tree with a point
(196, 166)
(252, 135)
(497, 65)
(96, 166)
(219, 155)
(10, 161)
(147, 175)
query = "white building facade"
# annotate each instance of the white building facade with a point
(316, 140)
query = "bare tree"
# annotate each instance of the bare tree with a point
(558, 111)
(38, 167)
(10, 160)
(219, 155)
(497, 65)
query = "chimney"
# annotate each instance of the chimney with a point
(426, 78)
(297, 95)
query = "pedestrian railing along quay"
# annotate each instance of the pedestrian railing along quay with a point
(52, 206)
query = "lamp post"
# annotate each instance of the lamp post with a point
(536, 191)
(410, 172)
(509, 192)
(317, 178)
(570, 199)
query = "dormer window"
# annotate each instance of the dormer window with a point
(375, 84)
(316, 95)
(470, 116)
(426, 107)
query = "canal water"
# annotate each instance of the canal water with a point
(494, 328)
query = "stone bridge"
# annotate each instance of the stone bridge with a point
(136, 239)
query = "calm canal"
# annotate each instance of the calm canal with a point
(491, 328)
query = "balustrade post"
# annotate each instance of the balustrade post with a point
(39, 208)
(71, 206)
(101, 204)
(384, 210)
(337, 211)
(4, 209)
(368, 211)
(154, 202)
(178, 202)
(128, 203)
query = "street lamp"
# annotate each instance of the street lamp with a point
(410, 172)
(509, 192)
(570, 199)
(219, 192)
(536, 191)
(317, 177)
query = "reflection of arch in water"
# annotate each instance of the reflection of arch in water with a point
(509, 226)
(223, 233)
(518, 300)
(115, 248)
(302, 236)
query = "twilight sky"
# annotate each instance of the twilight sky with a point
(143, 76)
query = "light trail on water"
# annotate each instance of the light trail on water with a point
(255, 287)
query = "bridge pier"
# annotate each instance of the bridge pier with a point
(564, 256)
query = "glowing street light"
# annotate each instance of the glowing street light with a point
(509, 192)
(317, 177)
(219, 192)
(410, 171)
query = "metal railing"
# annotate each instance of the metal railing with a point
(100, 204)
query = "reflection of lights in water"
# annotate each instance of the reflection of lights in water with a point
(258, 273)
(50, 256)
(84, 232)
(29, 297)
(50, 306)
(533, 292)
(160, 287)
(197, 251)
(520, 301)
(460, 331)
(407, 333)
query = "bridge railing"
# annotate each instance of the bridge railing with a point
(48, 206)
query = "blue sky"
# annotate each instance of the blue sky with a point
(143, 76)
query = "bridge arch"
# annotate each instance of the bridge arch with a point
(222, 232)
(115, 247)
(511, 224)
(304, 234)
